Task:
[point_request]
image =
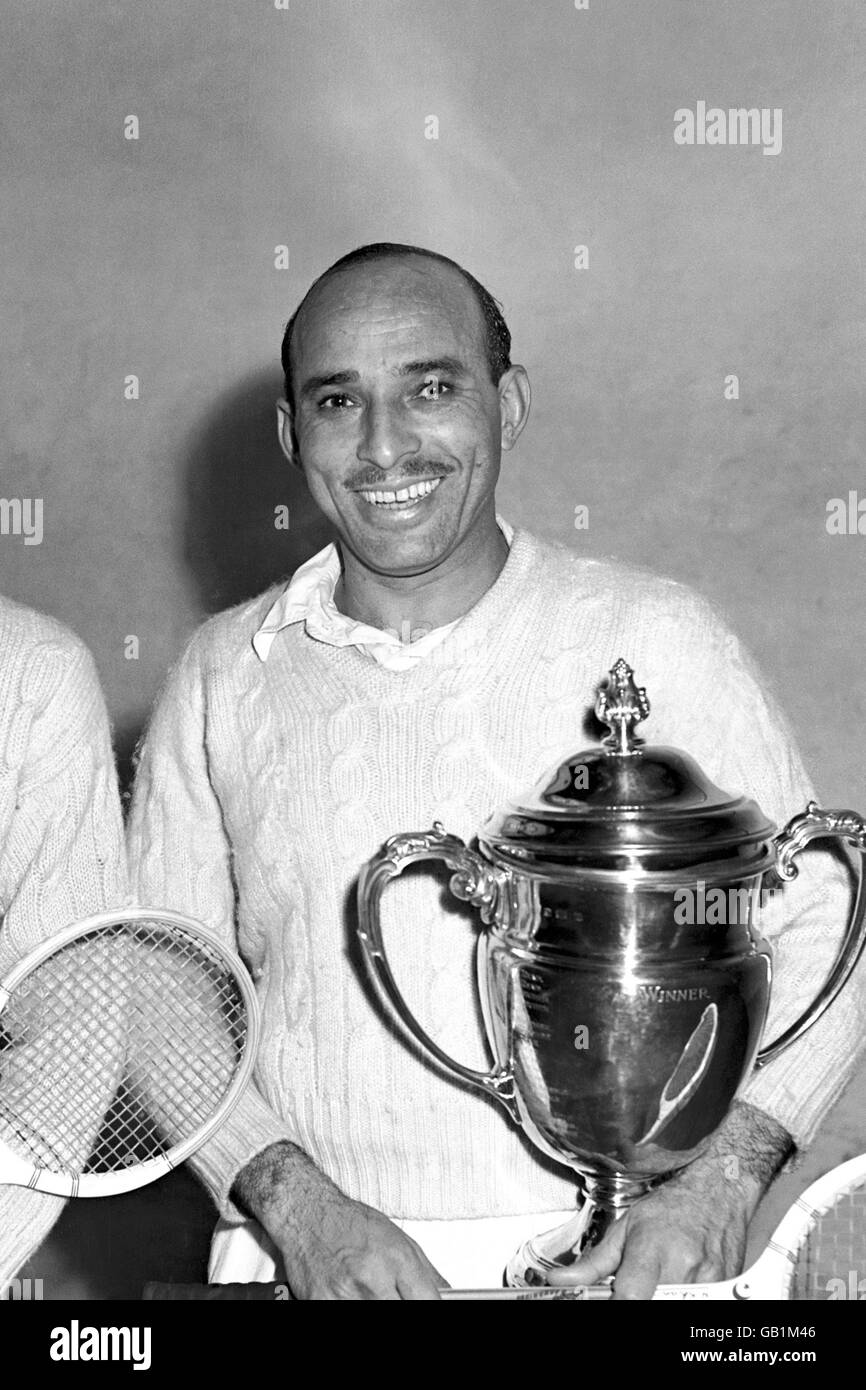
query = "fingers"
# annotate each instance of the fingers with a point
(641, 1254)
(640, 1269)
(420, 1290)
(388, 1281)
(356, 1283)
(654, 1256)
(421, 1281)
(373, 1261)
(596, 1264)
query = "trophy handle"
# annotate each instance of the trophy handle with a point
(476, 882)
(813, 824)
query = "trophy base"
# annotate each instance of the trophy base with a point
(531, 1265)
(601, 1203)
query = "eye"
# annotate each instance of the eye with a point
(434, 388)
(336, 401)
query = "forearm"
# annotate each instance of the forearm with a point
(745, 1155)
(284, 1190)
(332, 1247)
(180, 857)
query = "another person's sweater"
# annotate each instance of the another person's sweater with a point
(264, 786)
(61, 835)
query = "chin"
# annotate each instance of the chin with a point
(413, 553)
(404, 559)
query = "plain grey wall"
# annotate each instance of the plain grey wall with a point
(307, 126)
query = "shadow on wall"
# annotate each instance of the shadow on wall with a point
(237, 478)
(230, 542)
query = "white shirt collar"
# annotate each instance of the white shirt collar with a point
(308, 598)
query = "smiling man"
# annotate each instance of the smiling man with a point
(432, 663)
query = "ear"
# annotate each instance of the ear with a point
(286, 432)
(515, 396)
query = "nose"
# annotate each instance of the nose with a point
(387, 435)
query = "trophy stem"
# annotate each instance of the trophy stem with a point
(599, 1207)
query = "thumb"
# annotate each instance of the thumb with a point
(595, 1264)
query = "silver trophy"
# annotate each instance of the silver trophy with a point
(623, 983)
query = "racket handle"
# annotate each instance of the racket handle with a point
(279, 1293)
(265, 1293)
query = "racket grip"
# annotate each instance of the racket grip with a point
(279, 1293)
(262, 1293)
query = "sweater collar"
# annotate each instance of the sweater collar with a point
(308, 598)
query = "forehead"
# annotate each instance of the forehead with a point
(386, 311)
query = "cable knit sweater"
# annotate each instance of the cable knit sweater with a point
(263, 788)
(61, 836)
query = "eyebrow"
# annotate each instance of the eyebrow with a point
(315, 383)
(433, 366)
(424, 366)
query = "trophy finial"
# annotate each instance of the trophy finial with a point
(621, 705)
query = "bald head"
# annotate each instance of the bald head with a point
(401, 270)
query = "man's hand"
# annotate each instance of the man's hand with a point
(332, 1247)
(693, 1228)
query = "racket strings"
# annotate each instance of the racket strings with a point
(118, 1048)
(24, 1140)
(831, 1261)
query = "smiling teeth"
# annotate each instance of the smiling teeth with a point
(380, 498)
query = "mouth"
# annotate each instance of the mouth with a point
(399, 499)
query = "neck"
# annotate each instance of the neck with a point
(419, 602)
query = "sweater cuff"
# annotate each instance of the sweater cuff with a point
(25, 1219)
(796, 1091)
(250, 1128)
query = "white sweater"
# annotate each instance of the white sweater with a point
(264, 787)
(61, 836)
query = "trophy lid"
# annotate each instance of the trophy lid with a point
(629, 806)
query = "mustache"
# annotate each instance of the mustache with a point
(413, 468)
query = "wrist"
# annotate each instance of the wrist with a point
(759, 1143)
(269, 1183)
(745, 1155)
(286, 1193)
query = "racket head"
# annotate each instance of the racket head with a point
(125, 1041)
(818, 1250)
